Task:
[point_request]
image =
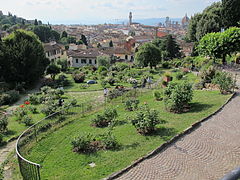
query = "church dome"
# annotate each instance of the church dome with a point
(185, 19)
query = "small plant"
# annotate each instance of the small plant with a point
(158, 95)
(44, 127)
(34, 99)
(179, 76)
(27, 120)
(20, 112)
(109, 141)
(3, 124)
(145, 120)
(105, 119)
(32, 109)
(131, 104)
(178, 96)
(79, 78)
(225, 82)
(82, 143)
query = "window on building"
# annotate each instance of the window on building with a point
(90, 61)
(83, 61)
(76, 60)
(95, 61)
(48, 54)
(126, 56)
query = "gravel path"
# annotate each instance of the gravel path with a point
(208, 153)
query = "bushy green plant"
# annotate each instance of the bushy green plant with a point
(9, 97)
(27, 120)
(158, 95)
(34, 99)
(166, 65)
(50, 107)
(111, 80)
(114, 93)
(131, 104)
(225, 81)
(177, 96)
(3, 124)
(82, 143)
(208, 74)
(109, 141)
(179, 76)
(103, 120)
(32, 109)
(20, 112)
(79, 78)
(145, 120)
(102, 69)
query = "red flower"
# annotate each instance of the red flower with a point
(27, 102)
(21, 106)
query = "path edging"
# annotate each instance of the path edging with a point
(192, 128)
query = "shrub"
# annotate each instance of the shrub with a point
(131, 104)
(179, 76)
(82, 143)
(104, 83)
(111, 80)
(79, 78)
(109, 141)
(114, 93)
(1, 141)
(34, 99)
(32, 109)
(165, 65)
(27, 120)
(9, 97)
(105, 119)
(20, 112)
(3, 124)
(145, 120)
(44, 127)
(102, 69)
(208, 74)
(158, 95)
(225, 82)
(50, 107)
(178, 96)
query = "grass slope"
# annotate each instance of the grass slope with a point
(58, 161)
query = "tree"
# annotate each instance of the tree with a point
(148, 55)
(103, 61)
(169, 47)
(22, 58)
(53, 69)
(46, 34)
(84, 39)
(231, 13)
(210, 20)
(219, 45)
(111, 44)
(192, 28)
(64, 34)
(71, 39)
(35, 22)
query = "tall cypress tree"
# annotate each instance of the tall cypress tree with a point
(231, 12)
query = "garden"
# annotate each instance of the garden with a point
(93, 134)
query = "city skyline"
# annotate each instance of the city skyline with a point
(104, 11)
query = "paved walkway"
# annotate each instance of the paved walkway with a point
(208, 153)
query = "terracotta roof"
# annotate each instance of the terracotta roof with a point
(49, 47)
(161, 34)
(112, 51)
(85, 53)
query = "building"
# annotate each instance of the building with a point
(54, 51)
(185, 21)
(83, 57)
(130, 18)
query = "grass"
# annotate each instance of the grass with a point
(54, 152)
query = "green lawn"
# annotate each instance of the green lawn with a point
(54, 152)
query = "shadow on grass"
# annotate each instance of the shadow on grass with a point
(129, 146)
(198, 107)
(164, 132)
(10, 133)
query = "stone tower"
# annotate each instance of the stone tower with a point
(130, 18)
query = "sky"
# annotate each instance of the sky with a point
(100, 11)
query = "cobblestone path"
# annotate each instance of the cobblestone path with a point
(208, 153)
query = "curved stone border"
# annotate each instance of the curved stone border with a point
(165, 145)
(233, 175)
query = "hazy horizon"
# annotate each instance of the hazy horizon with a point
(99, 12)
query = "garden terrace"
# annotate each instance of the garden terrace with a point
(54, 152)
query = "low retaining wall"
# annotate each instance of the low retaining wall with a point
(165, 145)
